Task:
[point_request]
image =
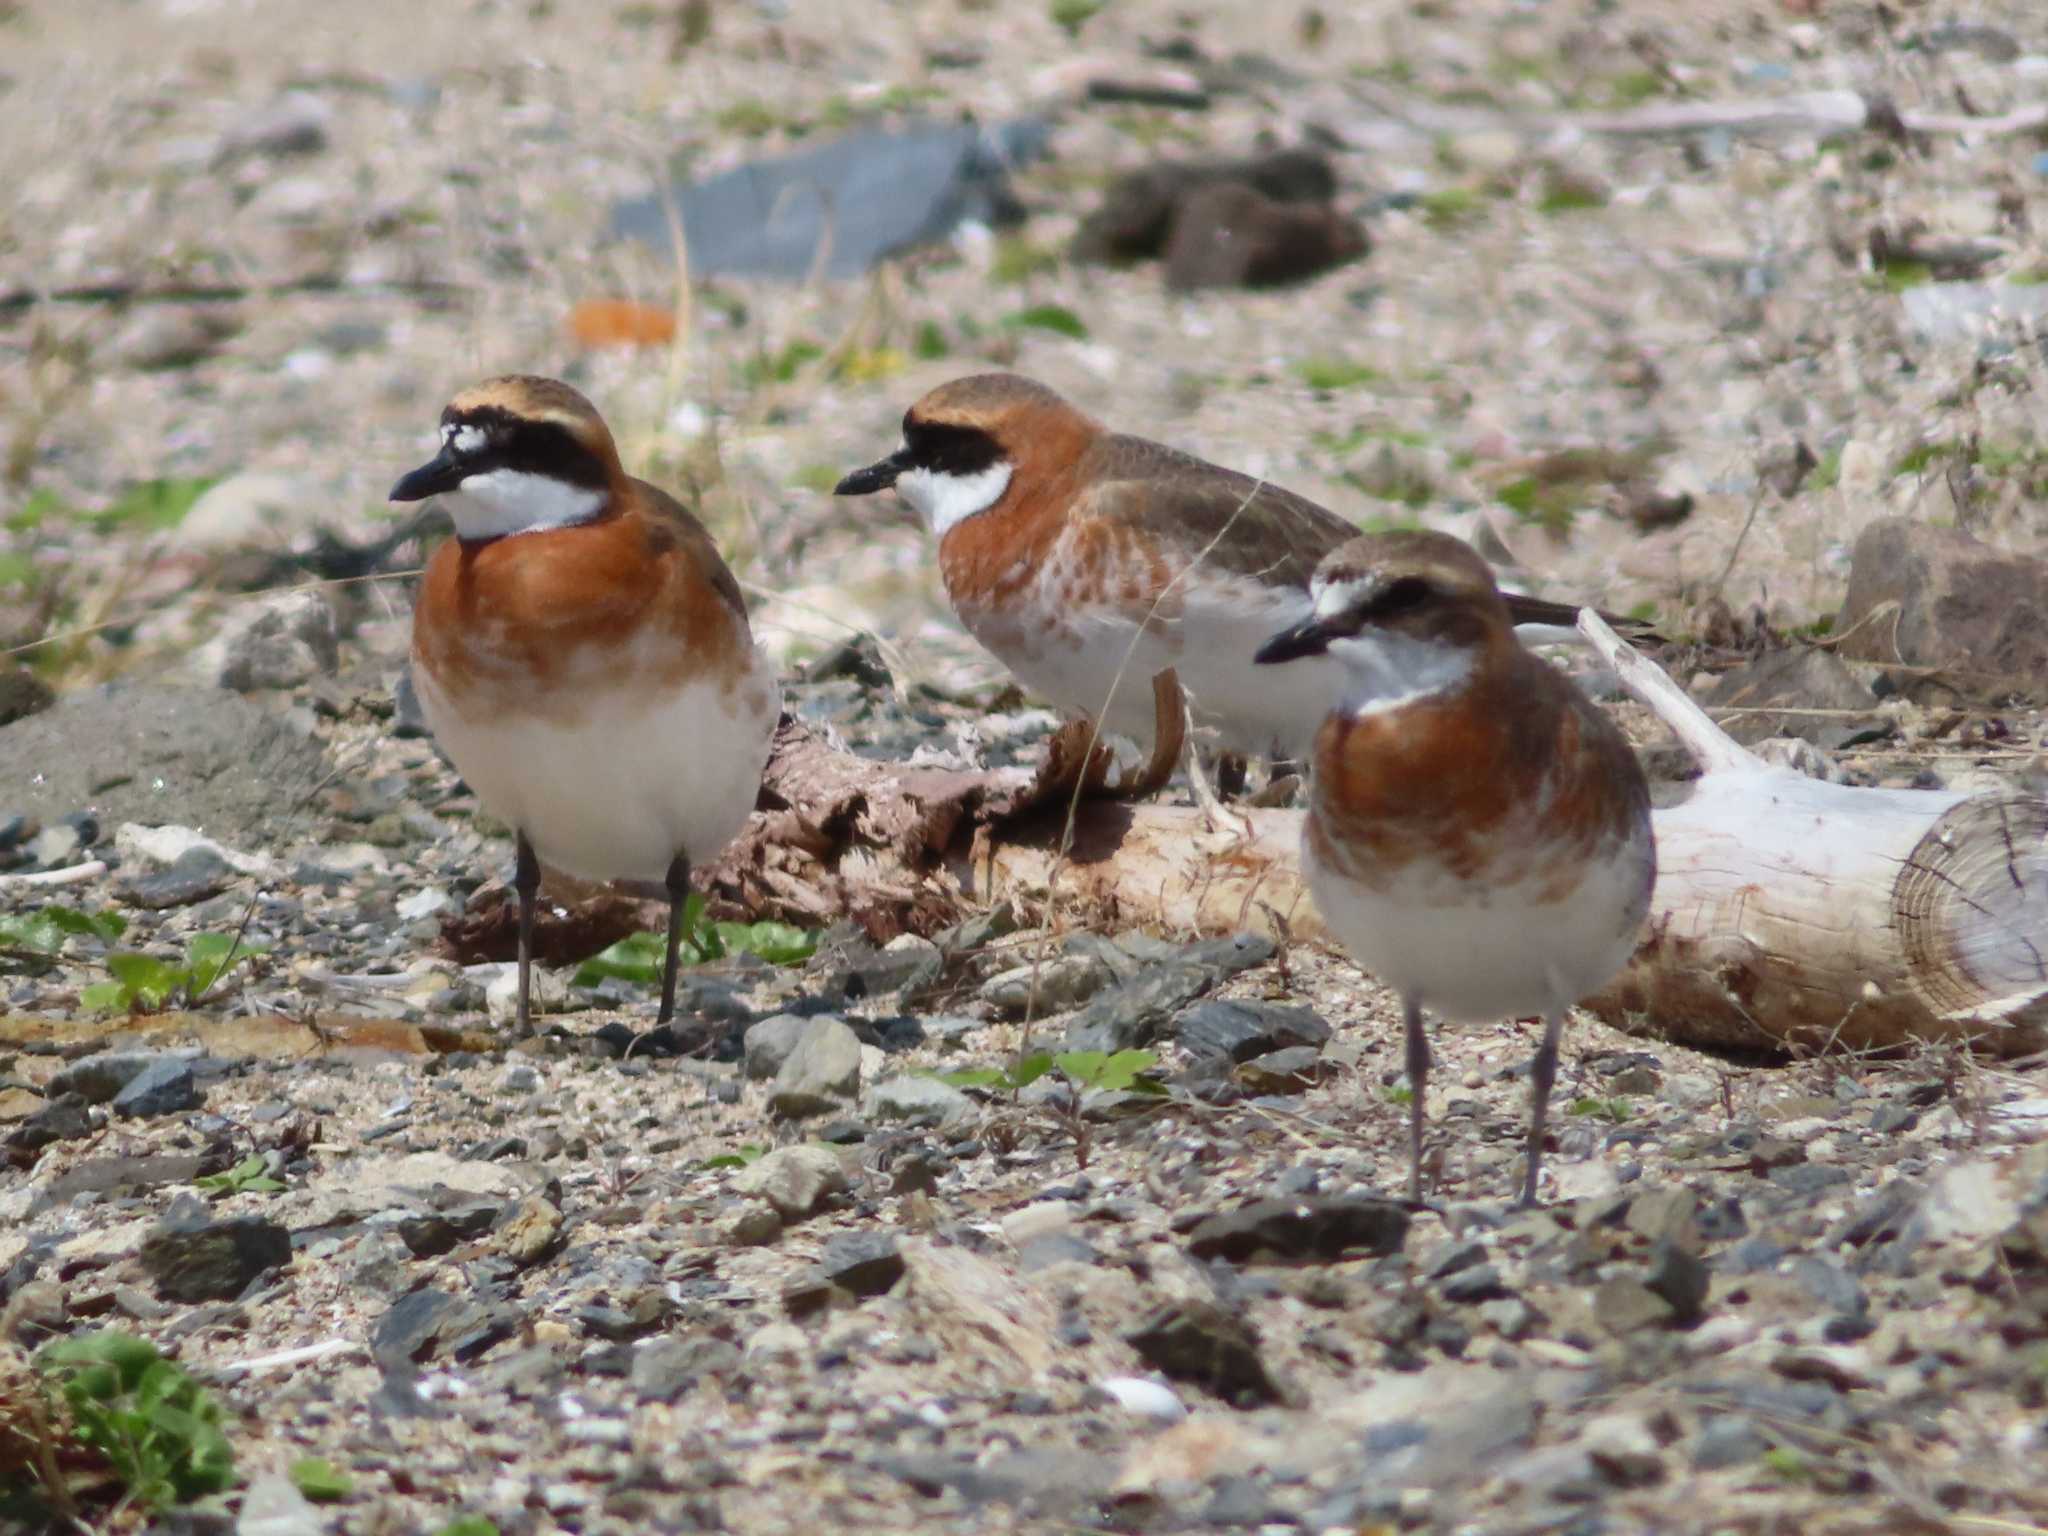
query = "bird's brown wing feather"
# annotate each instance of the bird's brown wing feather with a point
(1248, 527)
(1242, 526)
(691, 535)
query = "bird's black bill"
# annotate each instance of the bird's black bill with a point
(1311, 637)
(878, 476)
(438, 474)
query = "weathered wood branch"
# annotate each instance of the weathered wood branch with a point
(1791, 911)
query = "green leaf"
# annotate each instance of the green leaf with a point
(930, 345)
(209, 957)
(1026, 1070)
(975, 1077)
(320, 1479)
(1328, 374)
(777, 943)
(740, 1159)
(103, 996)
(151, 505)
(1118, 1073)
(156, 1426)
(636, 957)
(1048, 317)
(104, 926)
(1082, 1066)
(147, 981)
(246, 1176)
(468, 1525)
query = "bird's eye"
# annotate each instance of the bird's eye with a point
(1397, 597)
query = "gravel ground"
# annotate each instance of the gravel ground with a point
(587, 1283)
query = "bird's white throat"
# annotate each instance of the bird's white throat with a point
(943, 500)
(506, 501)
(1383, 671)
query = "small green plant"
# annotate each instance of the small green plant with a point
(750, 118)
(320, 1479)
(869, 365)
(1072, 15)
(468, 1525)
(1895, 274)
(1447, 207)
(816, 477)
(1550, 506)
(931, 344)
(780, 367)
(1111, 1071)
(1616, 1110)
(1327, 375)
(249, 1176)
(43, 931)
(639, 956)
(157, 1427)
(143, 984)
(745, 1156)
(1787, 1463)
(1398, 1093)
(1017, 260)
(1826, 474)
(1047, 317)
(1114, 1072)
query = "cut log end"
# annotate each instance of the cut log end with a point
(1971, 910)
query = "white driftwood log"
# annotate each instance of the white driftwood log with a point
(1788, 912)
(1791, 911)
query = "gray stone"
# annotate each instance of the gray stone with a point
(167, 1086)
(752, 1224)
(1476, 1282)
(1325, 1229)
(662, 1368)
(1922, 596)
(921, 1101)
(854, 200)
(1623, 1306)
(295, 123)
(194, 876)
(430, 1323)
(1198, 1342)
(287, 640)
(273, 1506)
(155, 754)
(1800, 677)
(215, 1260)
(865, 1263)
(820, 1074)
(1727, 1440)
(769, 1043)
(1051, 986)
(97, 1078)
(792, 1179)
(1136, 1013)
(1243, 1030)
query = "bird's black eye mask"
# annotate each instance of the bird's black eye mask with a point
(937, 448)
(486, 438)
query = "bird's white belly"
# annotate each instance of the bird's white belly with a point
(1100, 662)
(626, 785)
(1475, 951)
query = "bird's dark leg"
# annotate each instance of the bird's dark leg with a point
(1418, 1086)
(678, 884)
(1542, 1074)
(526, 884)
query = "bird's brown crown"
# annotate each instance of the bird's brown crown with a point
(1000, 404)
